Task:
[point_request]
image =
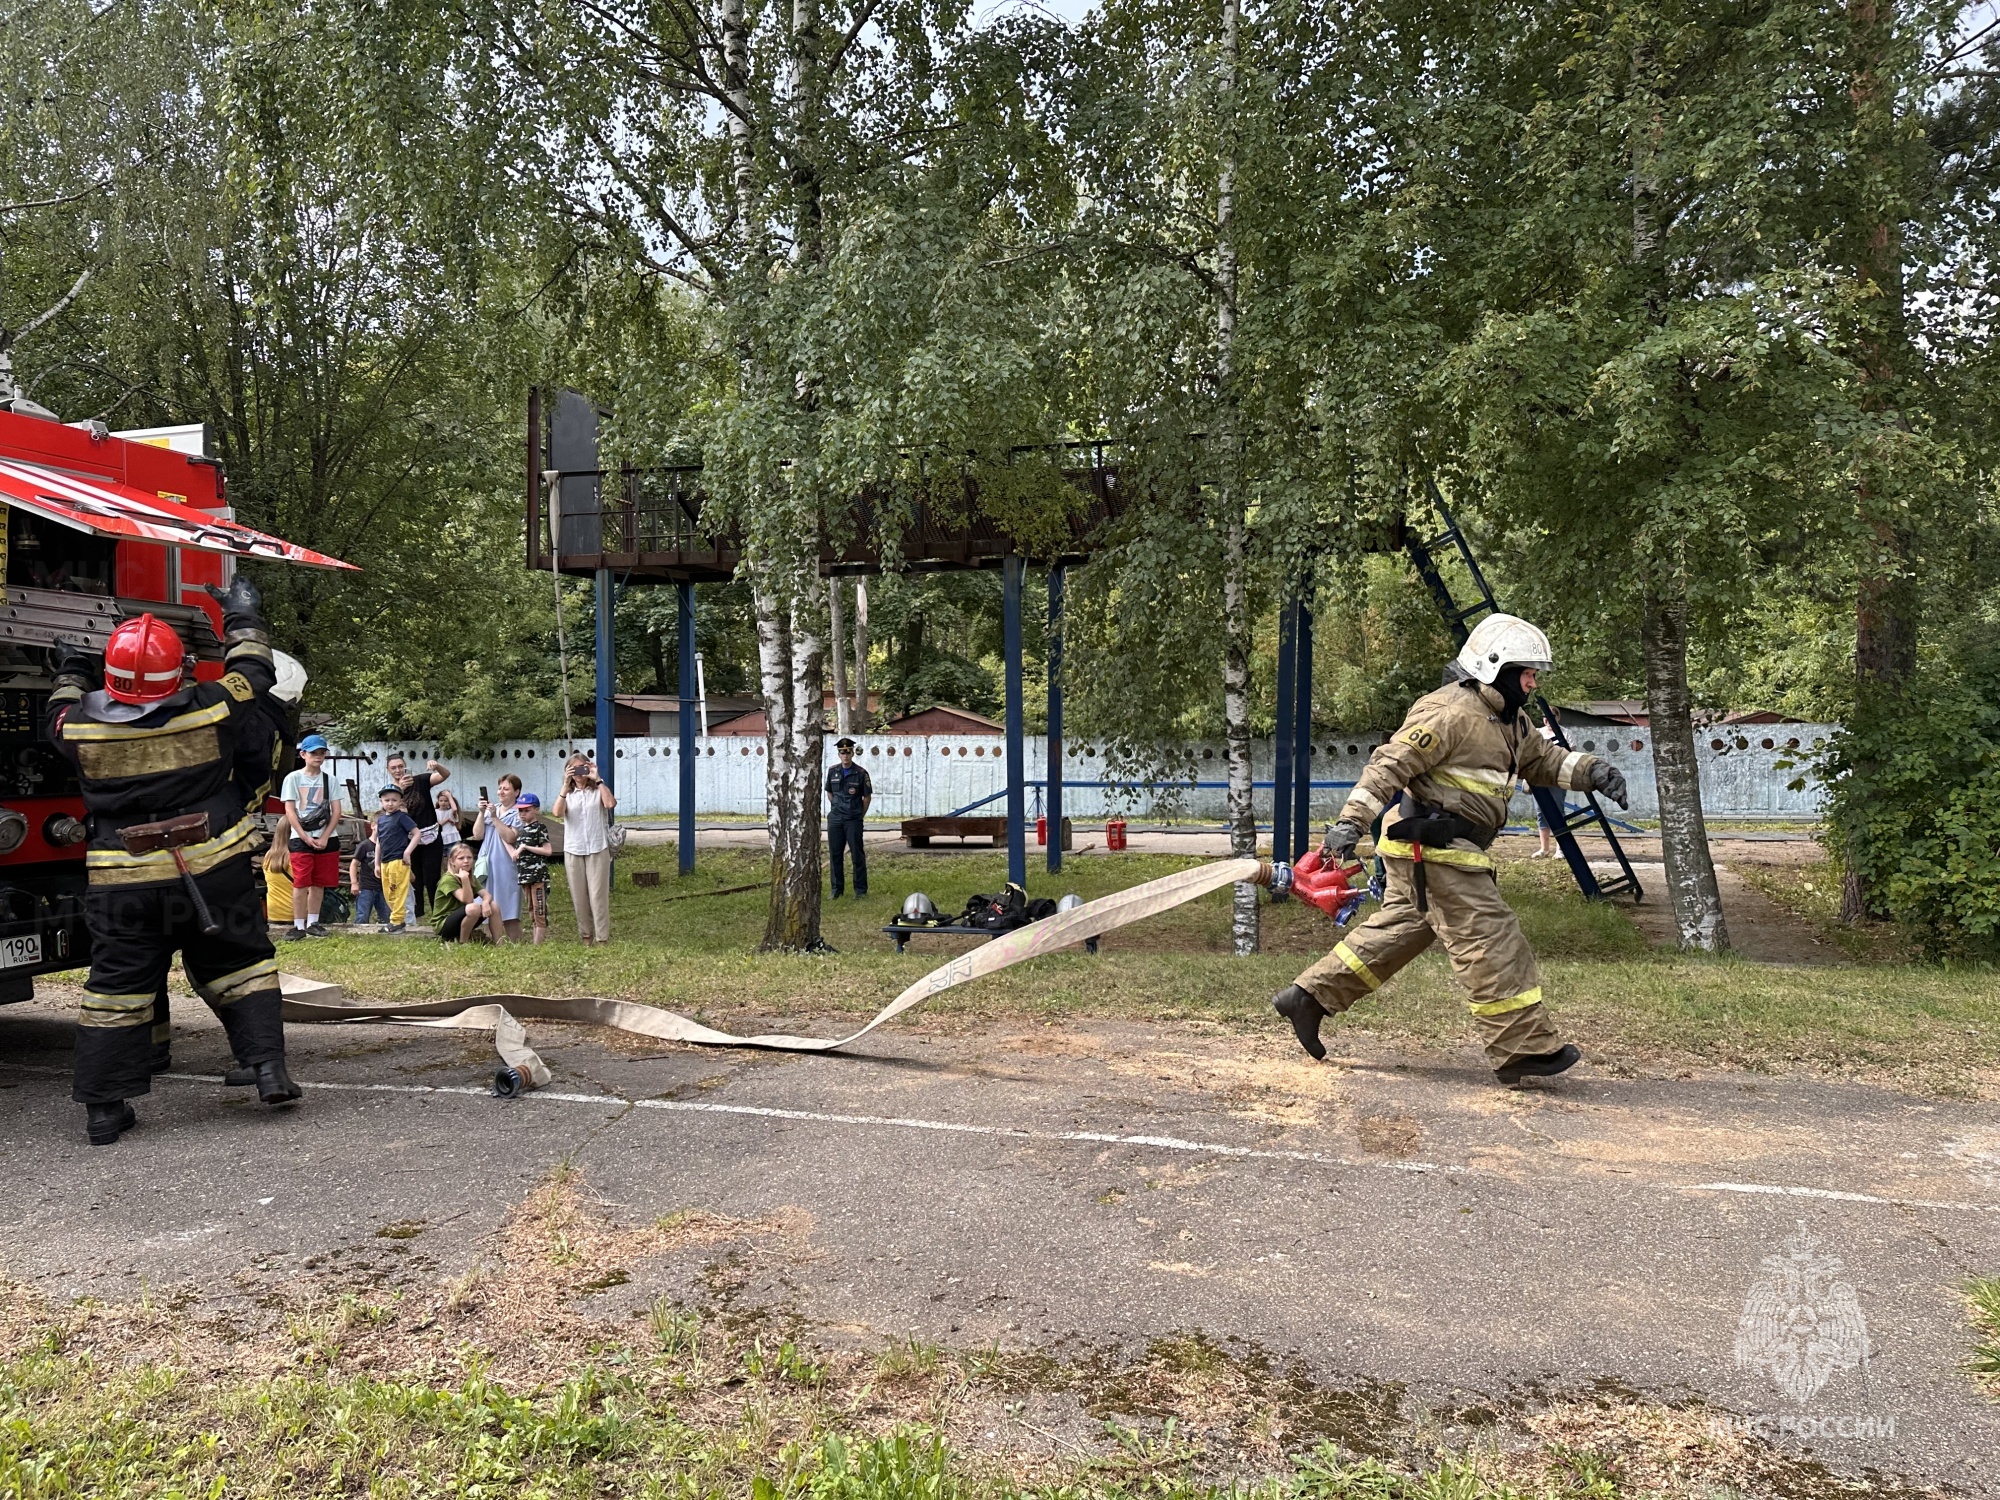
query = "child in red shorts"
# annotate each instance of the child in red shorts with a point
(312, 813)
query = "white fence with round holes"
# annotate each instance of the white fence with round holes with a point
(1746, 773)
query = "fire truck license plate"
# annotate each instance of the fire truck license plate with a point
(16, 951)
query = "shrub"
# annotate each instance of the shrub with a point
(1914, 803)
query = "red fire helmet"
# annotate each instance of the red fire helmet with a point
(142, 663)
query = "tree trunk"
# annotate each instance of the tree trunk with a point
(1242, 794)
(657, 640)
(1885, 633)
(790, 657)
(736, 86)
(1243, 925)
(1885, 648)
(1691, 886)
(861, 715)
(836, 641)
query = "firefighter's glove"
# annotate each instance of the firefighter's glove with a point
(1341, 839)
(1608, 779)
(75, 659)
(241, 603)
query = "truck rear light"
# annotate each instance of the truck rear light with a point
(13, 830)
(62, 830)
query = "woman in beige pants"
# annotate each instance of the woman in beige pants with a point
(585, 805)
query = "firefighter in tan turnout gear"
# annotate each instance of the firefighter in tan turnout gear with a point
(1441, 786)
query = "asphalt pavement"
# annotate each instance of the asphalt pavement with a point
(1790, 1250)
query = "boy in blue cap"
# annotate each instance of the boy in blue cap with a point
(533, 849)
(312, 820)
(394, 831)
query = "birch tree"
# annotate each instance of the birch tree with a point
(825, 188)
(1648, 381)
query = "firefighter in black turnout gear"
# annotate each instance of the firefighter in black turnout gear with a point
(848, 793)
(151, 746)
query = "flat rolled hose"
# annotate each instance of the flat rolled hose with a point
(503, 1014)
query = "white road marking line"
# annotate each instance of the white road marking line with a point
(898, 1122)
(1773, 1189)
(1021, 1133)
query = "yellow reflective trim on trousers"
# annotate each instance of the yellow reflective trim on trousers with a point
(232, 986)
(115, 867)
(1353, 961)
(112, 1012)
(1513, 1002)
(1462, 859)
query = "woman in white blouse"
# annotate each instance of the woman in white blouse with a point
(584, 807)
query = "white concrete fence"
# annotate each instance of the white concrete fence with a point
(1744, 775)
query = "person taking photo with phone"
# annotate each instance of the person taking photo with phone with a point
(584, 807)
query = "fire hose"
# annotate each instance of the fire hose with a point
(1321, 885)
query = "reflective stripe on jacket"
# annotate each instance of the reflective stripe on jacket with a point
(1456, 753)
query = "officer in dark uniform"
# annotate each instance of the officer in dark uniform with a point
(848, 793)
(150, 746)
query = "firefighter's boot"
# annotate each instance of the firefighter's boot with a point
(1544, 1065)
(106, 1122)
(274, 1084)
(1304, 1012)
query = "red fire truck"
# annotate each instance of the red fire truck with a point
(95, 528)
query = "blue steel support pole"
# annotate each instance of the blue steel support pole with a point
(1058, 580)
(607, 680)
(1013, 570)
(1302, 725)
(1281, 746)
(688, 710)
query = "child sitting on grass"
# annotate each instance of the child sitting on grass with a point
(461, 908)
(533, 850)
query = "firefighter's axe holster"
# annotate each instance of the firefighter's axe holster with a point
(174, 835)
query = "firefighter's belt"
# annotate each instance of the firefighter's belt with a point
(1458, 859)
(500, 1013)
(1440, 830)
(118, 867)
(1427, 838)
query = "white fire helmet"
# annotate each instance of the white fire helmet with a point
(291, 677)
(1499, 639)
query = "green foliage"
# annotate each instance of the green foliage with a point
(1982, 1298)
(1384, 645)
(276, 274)
(1913, 788)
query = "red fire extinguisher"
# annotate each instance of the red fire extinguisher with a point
(1042, 830)
(1114, 834)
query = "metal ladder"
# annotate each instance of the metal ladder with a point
(1425, 553)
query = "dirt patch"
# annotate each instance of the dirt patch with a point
(533, 1300)
(1273, 1083)
(1759, 928)
(1391, 1133)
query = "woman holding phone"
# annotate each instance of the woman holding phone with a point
(495, 830)
(585, 805)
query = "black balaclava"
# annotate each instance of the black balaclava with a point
(1509, 685)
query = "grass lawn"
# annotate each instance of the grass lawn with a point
(1931, 1028)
